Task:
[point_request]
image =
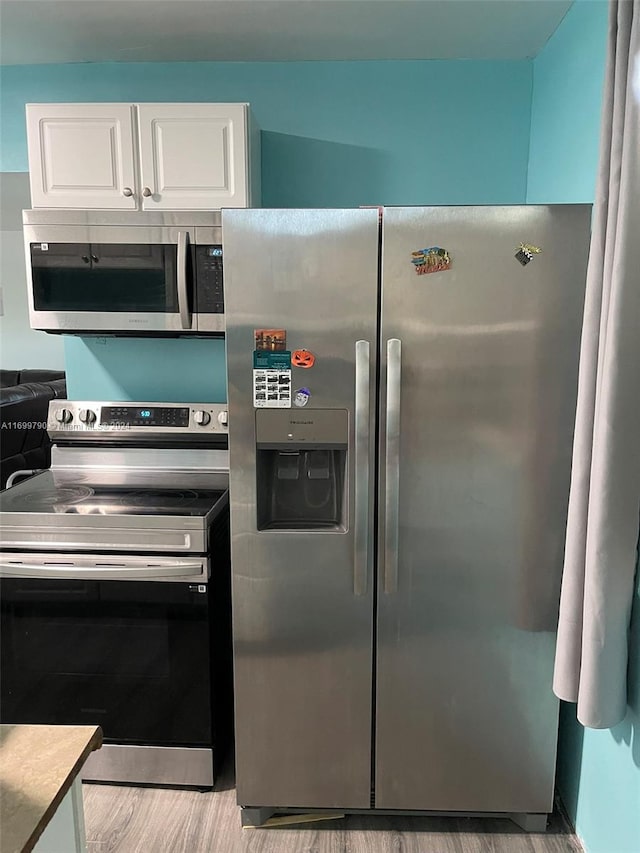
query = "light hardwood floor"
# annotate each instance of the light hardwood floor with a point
(152, 820)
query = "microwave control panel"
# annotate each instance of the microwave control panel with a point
(209, 279)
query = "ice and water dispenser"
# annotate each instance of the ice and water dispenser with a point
(301, 463)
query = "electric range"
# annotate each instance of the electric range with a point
(114, 574)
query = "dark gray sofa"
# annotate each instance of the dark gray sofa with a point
(24, 402)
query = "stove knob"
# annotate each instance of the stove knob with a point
(87, 416)
(202, 418)
(223, 419)
(64, 416)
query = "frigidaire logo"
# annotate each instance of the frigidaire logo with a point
(301, 422)
(138, 321)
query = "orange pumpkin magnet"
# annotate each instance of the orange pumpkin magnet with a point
(303, 358)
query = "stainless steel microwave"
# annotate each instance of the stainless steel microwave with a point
(102, 272)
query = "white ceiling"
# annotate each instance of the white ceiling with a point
(40, 31)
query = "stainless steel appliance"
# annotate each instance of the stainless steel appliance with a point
(114, 586)
(124, 273)
(398, 536)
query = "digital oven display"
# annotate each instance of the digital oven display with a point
(156, 416)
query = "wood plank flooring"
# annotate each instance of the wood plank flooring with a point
(154, 820)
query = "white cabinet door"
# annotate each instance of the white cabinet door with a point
(193, 156)
(81, 155)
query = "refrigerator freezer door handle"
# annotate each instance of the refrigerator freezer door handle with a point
(361, 467)
(392, 465)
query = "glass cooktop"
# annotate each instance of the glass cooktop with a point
(45, 494)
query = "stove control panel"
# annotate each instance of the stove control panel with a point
(69, 417)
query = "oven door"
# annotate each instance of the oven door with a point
(131, 656)
(130, 280)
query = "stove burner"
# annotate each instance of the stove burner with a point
(64, 495)
(173, 497)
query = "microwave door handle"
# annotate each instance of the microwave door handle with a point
(183, 295)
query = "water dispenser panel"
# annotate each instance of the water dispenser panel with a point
(315, 427)
(301, 464)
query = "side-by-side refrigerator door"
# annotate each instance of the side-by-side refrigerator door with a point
(480, 342)
(301, 314)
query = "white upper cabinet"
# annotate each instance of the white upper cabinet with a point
(193, 153)
(81, 155)
(143, 156)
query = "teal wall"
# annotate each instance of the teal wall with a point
(333, 134)
(180, 370)
(565, 109)
(598, 771)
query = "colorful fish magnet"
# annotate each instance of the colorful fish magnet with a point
(301, 397)
(303, 358)
(525, 253)
(433, 259)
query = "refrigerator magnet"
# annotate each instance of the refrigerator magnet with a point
(525, 252)
(433, 259)
(303, 358)
(271, 379)
(301, 398)
(270, 340)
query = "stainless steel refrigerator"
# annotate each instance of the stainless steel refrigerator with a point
(401, 399)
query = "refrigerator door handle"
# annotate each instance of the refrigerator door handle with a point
(392, 465)
(361, 467)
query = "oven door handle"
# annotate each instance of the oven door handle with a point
(103, 571)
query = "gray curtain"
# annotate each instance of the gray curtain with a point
(604, 503)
